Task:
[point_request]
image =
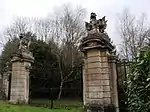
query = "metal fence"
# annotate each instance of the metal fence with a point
(122, 71)
(47, 96)
(70, 98)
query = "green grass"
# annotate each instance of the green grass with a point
(5, 107)
(65, 103)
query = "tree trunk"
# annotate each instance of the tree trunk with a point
(60, 90)
(62, 80)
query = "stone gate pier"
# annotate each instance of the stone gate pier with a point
(21, 65)
(99, 71)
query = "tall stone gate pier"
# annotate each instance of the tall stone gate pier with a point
(99, 71)
(21, 65)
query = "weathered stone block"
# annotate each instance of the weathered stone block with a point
(15, 68)
(16, 64)
(106, 94)
(94, 65)
(93, 53)
(94, 83)
(106, 88)
(103, 53)
(105, 82)
(95, 88)
(100, 95)
(94, 59)
(104, 65)
(93, 95)
(98, 82)
(106, 101)
(97, 101)
(105, 70)
(23, 68)
(104, 59)
(15, 73)
(94, 70)
(95, 76)
(105, 76)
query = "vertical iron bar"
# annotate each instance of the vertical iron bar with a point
(117, 82)
(125, 72)
(9, 87)
(51, 98)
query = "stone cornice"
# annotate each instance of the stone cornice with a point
(96, 40)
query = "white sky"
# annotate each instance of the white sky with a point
(41, 8)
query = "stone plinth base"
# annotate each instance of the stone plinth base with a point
(100, 108)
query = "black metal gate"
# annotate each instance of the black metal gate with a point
(122, 85)
(47, 96)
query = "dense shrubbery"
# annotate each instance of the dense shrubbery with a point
(139, 82)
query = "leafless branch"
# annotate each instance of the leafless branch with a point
(133, 32)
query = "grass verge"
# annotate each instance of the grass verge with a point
(5, 107)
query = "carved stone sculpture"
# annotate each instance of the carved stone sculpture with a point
(24, 43)
(95, 25)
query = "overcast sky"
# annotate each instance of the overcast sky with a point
(40, 8)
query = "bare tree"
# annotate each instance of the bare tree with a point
(10, 41)
(1, 41)
(19, 25)
(68, 30)
(43, 28)
(134, 34)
